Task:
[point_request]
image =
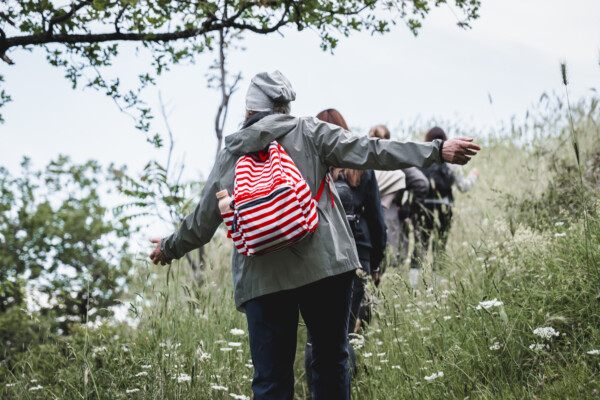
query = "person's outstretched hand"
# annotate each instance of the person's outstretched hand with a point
(459, 150)
(158, 256)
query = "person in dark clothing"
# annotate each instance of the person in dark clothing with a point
(402, 211)
(359, 194)
(437, 218)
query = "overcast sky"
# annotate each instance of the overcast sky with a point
(512, 52)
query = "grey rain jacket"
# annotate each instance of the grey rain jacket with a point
(314, 146)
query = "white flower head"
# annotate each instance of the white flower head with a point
(143, 373)
(132, 390)
(146, 366)
(562, 234)
(226, 349)
(495, 346)
(367, 355)
(433, 376)
(218, 387)
(181, 377)
(546, 332)
(237, 332)
(594, 352)
(239, 396)
(488, 304)
(38, 387)
(234, 344)
(536, 347)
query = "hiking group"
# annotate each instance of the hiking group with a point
(311, 212)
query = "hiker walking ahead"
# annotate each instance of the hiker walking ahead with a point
(437, 217)
(313, 276)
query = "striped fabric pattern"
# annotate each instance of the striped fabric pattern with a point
(273, 206)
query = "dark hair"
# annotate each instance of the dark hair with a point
(435, 133)
(333, 116)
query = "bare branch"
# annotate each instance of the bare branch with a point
(5, 17)
(57, 19)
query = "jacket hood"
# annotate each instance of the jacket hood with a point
(258, 136)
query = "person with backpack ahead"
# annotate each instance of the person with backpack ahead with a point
(314, 275)
(359, 195)
(437, 217)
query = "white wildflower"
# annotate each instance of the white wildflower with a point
(495, 346)
(384, 361)
(248, 365)
(181, 377)
(536, 347)
(396, 367)
(562, 234)
(146, 366)
(560, 223)
(381, 354)
(218, 387)
(38, 387)
(546, 332)
(447, 317)
(237, 332)
(220, 341)
(488, 304)
(226, 349)
(367, 355)
(143, 373)
(239, 396)
(594, 352)
(234, 344)
(434, 376)
(11, 384)
(33, 381)
(132, 390)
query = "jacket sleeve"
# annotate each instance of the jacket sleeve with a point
(199, 227)
(375, 222)
(340, 148)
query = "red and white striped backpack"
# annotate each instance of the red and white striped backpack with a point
(272, 203)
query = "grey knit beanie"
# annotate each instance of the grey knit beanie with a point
(268, 90)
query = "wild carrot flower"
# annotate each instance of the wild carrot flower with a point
(239, 396)
(143, 373)
(488, 304)
(181, 377)
(594, 352)
(38, 387)
(234, 344)
(495, 346)
(237, 332)
(132, 390)
(434, 376)
(146, 366)
(546, 332)
(218, 387)
(536, 347)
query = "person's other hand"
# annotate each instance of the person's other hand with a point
(157, 256)
(459, 150)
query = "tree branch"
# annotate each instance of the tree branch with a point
(57, 19)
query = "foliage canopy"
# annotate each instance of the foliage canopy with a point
(82, 36)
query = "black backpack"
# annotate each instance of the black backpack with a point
(440, 181)
(347, 198)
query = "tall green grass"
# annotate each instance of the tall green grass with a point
(518, 238)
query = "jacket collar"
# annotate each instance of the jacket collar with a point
(258, 136)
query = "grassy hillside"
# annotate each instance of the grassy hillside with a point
(523, 255)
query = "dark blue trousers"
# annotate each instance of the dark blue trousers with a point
(273, 327)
